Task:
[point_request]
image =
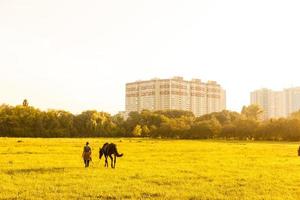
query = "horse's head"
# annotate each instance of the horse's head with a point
(100, 153)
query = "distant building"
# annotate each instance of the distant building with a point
(175, 93)
(271, 101)
(292, 99)
(277, 104)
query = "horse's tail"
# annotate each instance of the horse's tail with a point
(117, 154)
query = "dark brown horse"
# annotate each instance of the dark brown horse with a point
(109, 150)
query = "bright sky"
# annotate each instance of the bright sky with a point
(78, 55)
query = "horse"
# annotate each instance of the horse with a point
(109, 150)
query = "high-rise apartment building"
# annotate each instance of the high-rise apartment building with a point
(175, 93)
(292, 99)
(277, 104)
(271, 101)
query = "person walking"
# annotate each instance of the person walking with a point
(86, 154)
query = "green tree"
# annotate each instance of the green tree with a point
(25, 103)
(137, 131)
(175, 113)
(295, 115)
(224, 117)
(245, 128)
(145, 131)
(252, 112)
(205, 129)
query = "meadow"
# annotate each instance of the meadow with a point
(150, 169)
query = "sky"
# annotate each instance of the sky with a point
(78, 55)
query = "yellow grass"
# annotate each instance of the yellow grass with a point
(150, 169)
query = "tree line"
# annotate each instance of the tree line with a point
(27, 121)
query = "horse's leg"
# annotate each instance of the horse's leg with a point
(111, 159)
(106, 163)
(115, 157)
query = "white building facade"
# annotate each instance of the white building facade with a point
(277, 104)
(175, 93)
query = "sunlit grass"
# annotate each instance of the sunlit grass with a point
(158, 169)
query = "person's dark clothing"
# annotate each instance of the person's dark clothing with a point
(86, 155)
(86, 148)
(86, 163)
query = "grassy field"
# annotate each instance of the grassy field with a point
(149, 169)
